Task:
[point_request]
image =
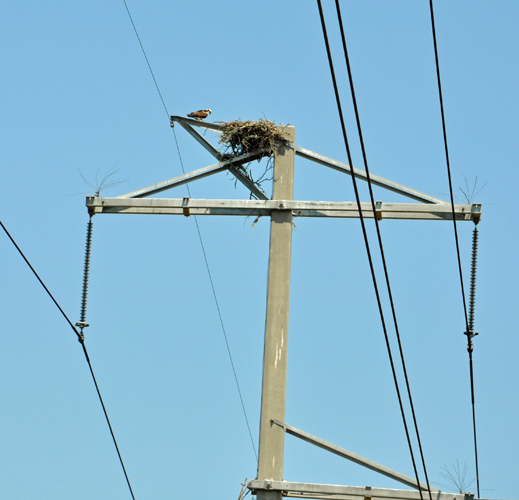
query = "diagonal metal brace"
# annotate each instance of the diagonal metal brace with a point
(201, 139)
(197, 174)
(360, 174)
(186, 124)
(254, 189)
(337, 450)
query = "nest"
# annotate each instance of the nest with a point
(240, 137)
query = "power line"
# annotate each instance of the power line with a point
(468, 331)
(199, 237)
(81, 339)
(381, 312)
(381, 247)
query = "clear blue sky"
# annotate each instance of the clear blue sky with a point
(77, 95)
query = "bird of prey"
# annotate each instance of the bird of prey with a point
(200, 115)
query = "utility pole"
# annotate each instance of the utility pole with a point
(273, 397)
(270, 484)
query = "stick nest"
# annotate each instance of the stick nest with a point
(240, 137)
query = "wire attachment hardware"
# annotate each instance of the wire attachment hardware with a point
(185, 208)
(470, 334)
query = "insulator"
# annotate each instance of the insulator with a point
(472, 296)
(85, 274)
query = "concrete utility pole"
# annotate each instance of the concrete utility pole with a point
(273, 398)
(270, 484)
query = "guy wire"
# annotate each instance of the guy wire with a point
(199, 236)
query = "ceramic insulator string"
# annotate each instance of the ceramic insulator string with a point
(86, 272)
(472, 296)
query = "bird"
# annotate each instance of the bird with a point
(200, 115)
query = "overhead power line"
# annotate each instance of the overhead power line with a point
(199, 237)
(357, 196)
(468, 330)
(81, 339)
(379, 237)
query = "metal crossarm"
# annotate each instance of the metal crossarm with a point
(334, 209)
(196, 123)
(338, 492)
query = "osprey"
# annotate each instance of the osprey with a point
(200, 115)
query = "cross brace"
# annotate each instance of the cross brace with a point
(353, 457)
(188, 124)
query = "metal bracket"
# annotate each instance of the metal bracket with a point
(476, 212)
(378, 210)
(185, 208)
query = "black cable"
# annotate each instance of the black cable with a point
(381, 312)
(81, 339)
(455, 236)
(107, 419)
(199, 236)
(448, 162)
(381, 247)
